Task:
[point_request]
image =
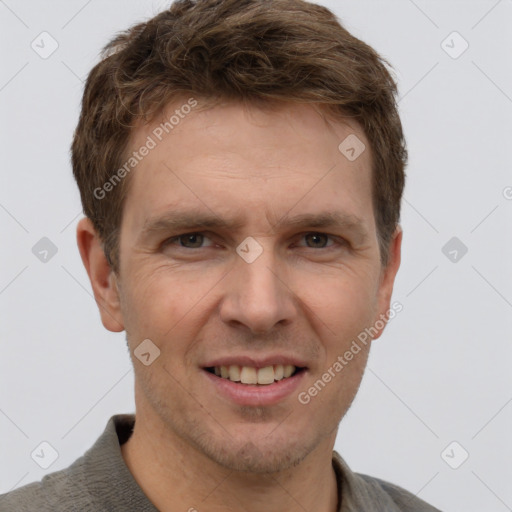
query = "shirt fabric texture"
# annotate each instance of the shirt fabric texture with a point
(100, 481)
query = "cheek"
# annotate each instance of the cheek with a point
(163, 300)
(345, 303)
(159, 302)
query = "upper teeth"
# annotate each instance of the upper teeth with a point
(249, 375)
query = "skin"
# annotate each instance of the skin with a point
(197, 300)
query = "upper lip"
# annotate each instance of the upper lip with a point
(255, 362)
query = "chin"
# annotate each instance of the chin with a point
(250, 457)
(254, 442)
(256, 450)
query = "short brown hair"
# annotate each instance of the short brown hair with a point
(236, 50)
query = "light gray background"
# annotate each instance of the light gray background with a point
(440, 373)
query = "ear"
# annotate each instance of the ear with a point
(387, 279)
(102, 277)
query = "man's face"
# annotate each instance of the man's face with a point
(295, 293)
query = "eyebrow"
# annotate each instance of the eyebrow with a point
(182, 221)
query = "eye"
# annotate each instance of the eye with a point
(195, 240)
(187, 240)
(318, 240)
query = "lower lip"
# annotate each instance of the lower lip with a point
(256, 395)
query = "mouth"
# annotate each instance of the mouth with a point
(252, 376)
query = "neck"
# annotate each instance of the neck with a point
(176, 477)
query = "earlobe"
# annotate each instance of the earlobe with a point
(102, 278)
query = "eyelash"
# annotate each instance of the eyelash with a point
(339, 241)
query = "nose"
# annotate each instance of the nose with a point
(258, 295)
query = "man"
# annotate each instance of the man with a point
(241, 166)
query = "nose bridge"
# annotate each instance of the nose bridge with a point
(258, 296)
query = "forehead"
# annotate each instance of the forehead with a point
(233, 156)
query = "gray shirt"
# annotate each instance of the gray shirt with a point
(100, 481)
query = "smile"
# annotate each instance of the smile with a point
(255, 376)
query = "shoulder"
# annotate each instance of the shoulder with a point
(56, 492)
(405, 501)
(87, 484)
(363, 492)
